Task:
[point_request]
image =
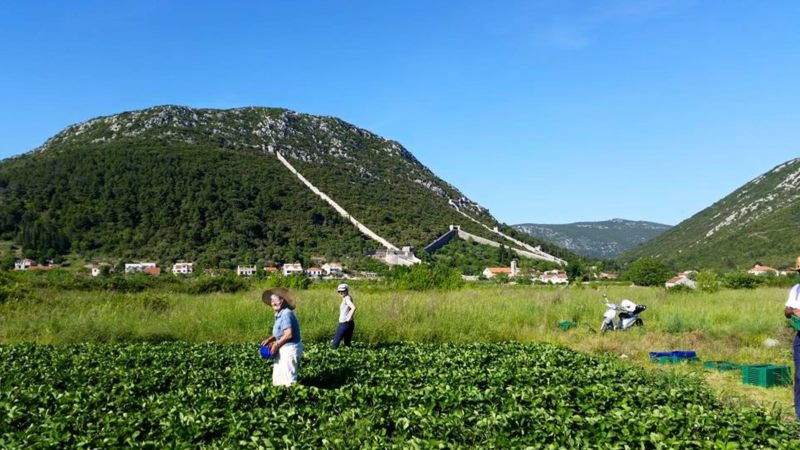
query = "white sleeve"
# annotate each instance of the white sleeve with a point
(794, 299)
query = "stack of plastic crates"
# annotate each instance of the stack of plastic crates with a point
(766, 375)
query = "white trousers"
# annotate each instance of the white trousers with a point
(284, 364)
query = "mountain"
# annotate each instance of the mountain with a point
(606, 240)
(222, 187)
(759, 222)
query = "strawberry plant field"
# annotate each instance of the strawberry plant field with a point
(507, 395)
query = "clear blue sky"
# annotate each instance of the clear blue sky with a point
(542, 111)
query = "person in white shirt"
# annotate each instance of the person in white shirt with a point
(347, 309)
(792, 308)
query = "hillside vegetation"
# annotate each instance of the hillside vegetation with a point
(758, 222)
(171, 183)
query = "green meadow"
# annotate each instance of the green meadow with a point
(727, 325)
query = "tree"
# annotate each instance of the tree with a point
(647, 271)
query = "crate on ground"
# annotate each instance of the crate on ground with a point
(567, 324)
(722, 366)
(673, 357)
(766, 375)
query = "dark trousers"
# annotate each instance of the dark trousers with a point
(796, 348)
(344, 331)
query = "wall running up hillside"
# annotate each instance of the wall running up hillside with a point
(361, 227)
(532, 252)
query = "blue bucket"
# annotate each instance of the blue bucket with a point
(265, 352)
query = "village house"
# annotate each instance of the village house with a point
(183, 268)
(314, 272)
(491, 272)
(270, 269)
(245, 271)
(607, 275)
(140, 267)
(758, 269)
(24, 264)
(554, 277)
(96, 268)
(681, 279)
(333, 269)
(291, 268)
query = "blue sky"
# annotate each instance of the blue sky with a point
(542, 111)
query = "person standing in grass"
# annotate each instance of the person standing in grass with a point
(347, 310)
(284, 343)
(793, 309)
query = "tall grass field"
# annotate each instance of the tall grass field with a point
(730, 325)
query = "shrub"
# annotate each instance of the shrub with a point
(293, 281)
(221, 283)
(680, 288)
(707, 281)
(422, 277)
(741, 280)
(11, 288)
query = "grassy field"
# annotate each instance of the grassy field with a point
(727, 325)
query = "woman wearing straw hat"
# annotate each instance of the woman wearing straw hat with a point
(284, 343)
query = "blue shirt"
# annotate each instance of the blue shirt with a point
(284, 319)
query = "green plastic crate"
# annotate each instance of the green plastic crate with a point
(722, 366)
(567, 324)
(766, 375)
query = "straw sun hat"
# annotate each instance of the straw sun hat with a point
(287, 296)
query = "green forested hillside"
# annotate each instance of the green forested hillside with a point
(173, 183)
(759, 222)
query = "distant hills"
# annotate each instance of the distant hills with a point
(606, 239)
(170, 183)
(758, 222)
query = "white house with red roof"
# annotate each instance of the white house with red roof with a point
(682, 279)
(554, 277)
(491, 272)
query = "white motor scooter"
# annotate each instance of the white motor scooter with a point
(628, 315)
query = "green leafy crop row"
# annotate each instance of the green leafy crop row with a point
(177, 395)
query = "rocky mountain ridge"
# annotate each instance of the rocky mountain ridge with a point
(604, 239)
